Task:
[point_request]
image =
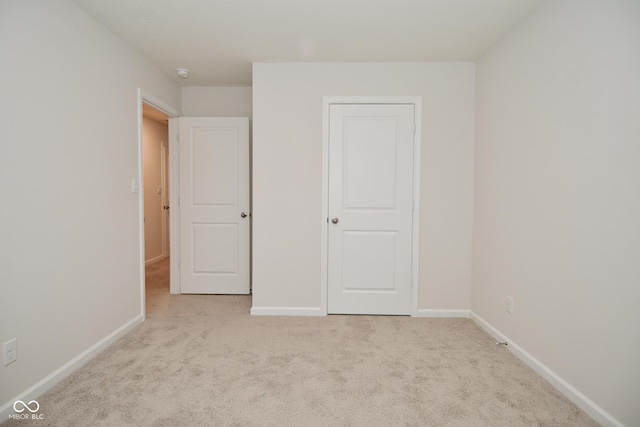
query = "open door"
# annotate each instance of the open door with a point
(214, 205)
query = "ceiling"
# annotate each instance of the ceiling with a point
(218, 40)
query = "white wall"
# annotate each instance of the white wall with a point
(69, 235)
(557, 195)
(287, 168)
(153, 135)
(204, 101)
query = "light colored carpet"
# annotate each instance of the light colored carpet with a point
(204, 361)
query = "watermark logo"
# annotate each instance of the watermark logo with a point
(26, 411)
(22, 406)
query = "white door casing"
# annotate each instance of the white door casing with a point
(214, 205)
(370, 239)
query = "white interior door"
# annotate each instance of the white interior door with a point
(214, 205)
(370, 208)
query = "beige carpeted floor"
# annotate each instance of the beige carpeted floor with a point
(204, 361)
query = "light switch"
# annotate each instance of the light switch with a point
(135, 186)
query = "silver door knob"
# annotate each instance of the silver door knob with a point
(243, 214)
(334, 220)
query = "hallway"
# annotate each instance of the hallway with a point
(157, 287)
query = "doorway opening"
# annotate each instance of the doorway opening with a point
(155, 160)
(154, 191)
(155, 156)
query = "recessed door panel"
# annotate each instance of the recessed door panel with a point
(369, 261)
(215, 166)
(370, 184)
(215, 249)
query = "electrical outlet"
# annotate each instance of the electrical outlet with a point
(10, 351)
(510, 305)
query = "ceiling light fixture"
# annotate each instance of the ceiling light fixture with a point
(183, 73)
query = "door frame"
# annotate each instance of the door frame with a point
(147, 98)
(174, 206)
(327, 101)
(164, 172)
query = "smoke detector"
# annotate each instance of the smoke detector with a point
(183, 73)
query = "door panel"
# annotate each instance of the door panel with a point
(214, 191)
(368, 261)
(215, 166)
(369, 184)
(215, 248)
(371, 197)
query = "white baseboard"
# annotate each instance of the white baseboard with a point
(316, 311)
(425, 312)
(67, 369)
(154, 260)
(582, 401)
(287, 311)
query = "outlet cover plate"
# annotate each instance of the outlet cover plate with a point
(10, 351)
